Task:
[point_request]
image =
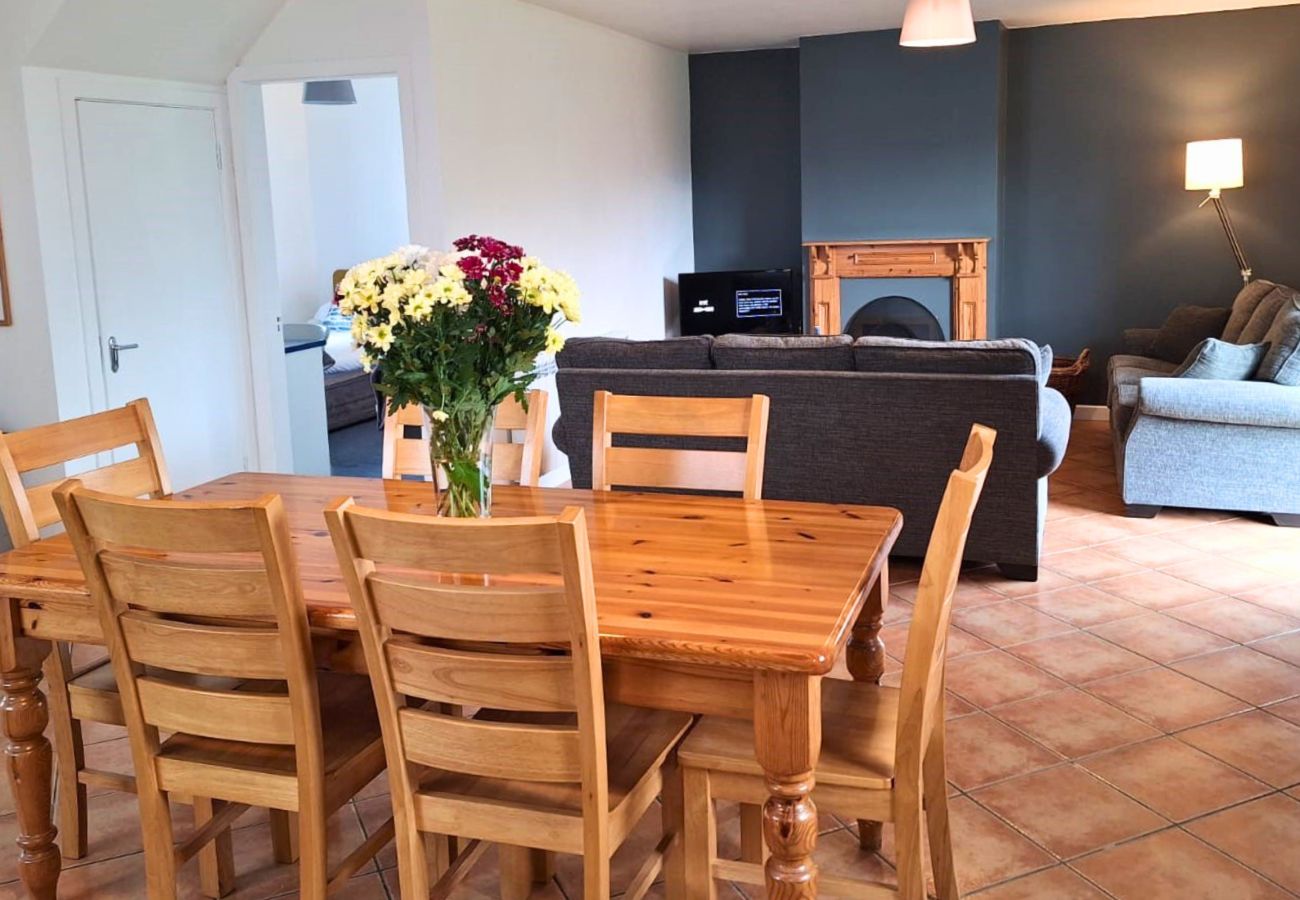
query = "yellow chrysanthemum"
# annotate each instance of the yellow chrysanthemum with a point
(380, 337)
(554, 341)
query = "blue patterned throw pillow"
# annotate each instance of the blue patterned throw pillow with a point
(1221, 361)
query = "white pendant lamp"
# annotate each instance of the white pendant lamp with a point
(937, 23)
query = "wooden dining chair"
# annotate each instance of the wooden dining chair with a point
(693, 470)
(406, 442)
(210, 591)
(545, 763)
(882, 755)
(89, 693)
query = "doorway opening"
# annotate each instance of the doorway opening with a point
(338, 195)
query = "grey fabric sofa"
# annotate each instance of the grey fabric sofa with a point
(880, 421)
(1185, 442)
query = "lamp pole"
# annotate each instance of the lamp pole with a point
(1226, 220)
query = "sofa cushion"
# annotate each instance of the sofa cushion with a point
(1186, 327)
(1009, 356)
(1244, 307)
(1265, 313)
(1132, 369)
(814, 353)
(1218, 360)
(620, 353)
(1281, 363)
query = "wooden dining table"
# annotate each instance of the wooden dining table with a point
(707, 605)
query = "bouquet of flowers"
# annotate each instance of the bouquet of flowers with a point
(457, 333)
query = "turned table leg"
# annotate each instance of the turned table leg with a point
(787, 741)
(866, 660)
(28, 758)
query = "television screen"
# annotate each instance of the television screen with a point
(763, 301)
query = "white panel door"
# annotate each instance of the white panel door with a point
(163, 279)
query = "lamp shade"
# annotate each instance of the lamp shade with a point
(937, 23)
(329, 93)
(1214, 165)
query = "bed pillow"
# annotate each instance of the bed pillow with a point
(346, 356)
(1218, 360)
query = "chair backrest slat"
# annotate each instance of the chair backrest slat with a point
(175, 527)
(684, 416)
(164, 586)
(493, 546)
(691, 470)
(682, 469)
(921, 692)
(504, 634)
(492, 749)
(203, 649)
(196, 600)
(407, 454)
(521, 614)
(27, 510)
(254, 718)
(505, 681)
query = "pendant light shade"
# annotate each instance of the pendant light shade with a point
(329, 93)
(937, 23)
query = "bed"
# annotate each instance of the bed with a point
(350, 395)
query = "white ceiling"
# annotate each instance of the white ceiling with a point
(706, 25)
(186, 40)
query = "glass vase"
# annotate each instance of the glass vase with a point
(460, 450)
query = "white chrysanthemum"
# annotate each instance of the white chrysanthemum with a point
(439, 416)
(367, 361)
(451, 271)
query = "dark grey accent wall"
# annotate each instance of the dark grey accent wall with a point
(903, 143)
(1098, 232)
(745, 159)
(900, 143)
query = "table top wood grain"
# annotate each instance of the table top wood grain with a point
(716, 580)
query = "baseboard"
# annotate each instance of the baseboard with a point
(1084, 413)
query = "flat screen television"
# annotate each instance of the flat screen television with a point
(759, 301)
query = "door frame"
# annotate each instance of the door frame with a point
(256, 220)
(54, 139)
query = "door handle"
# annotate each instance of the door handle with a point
(115, 352)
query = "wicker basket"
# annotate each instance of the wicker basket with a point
(1068, 374)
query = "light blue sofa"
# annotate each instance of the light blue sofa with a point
(1230, 445)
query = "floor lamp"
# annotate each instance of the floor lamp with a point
(1216, 166)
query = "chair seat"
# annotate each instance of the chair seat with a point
(352, 743)
(637, 743)
(859, 731)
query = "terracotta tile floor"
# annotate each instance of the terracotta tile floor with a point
(1127, 727)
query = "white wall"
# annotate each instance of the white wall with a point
(572, 140)
(27, 395)
(563, 136)
(338, 186)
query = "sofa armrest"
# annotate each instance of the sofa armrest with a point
(1140, 341)
(1256, 403)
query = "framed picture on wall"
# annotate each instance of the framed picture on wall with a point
(6, 314)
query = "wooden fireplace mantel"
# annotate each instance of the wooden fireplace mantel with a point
(962, 260)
